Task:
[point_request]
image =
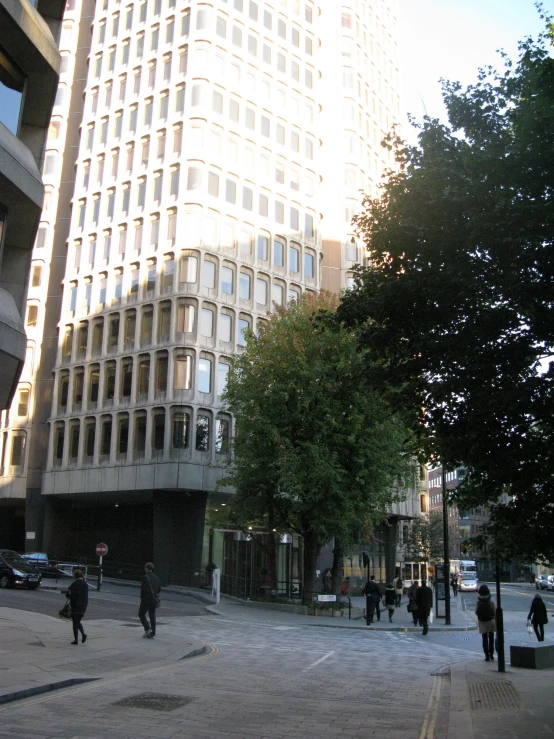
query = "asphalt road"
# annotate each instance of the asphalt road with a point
(113, 602)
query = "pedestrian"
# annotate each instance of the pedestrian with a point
(538, 616)
(454, 584)
(78, 597)
(389, 601)
(399, 586)
(485, 611)
(412, 601)
(150, 588)
(327, 580)
(424, 602)
(373, 593)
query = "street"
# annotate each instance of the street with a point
(263, 674)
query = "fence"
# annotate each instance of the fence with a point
(247, 588)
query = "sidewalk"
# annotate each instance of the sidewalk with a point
(36, 655)
(402, 620)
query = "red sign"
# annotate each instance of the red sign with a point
(101, 550)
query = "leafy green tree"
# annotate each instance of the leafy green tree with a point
(316, 451)
(426, 539)
(456, 309)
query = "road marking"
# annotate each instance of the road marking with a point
(428, 726)
(100, 683)
(319, 661)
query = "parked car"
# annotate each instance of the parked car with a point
(14, 570)
(550, 582)
(541, 582)
(44, 566)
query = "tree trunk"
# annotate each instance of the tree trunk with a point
(311, 550)
(273, 561)
(337, 568)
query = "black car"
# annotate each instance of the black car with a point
(14, 570)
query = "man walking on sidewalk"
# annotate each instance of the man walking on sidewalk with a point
(424, 600)
(149, 600)
(373, 592)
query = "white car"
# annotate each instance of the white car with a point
(550, 582)
(467, 582)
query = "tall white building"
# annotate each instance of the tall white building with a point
(204, 162)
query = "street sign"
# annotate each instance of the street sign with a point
(101, 550)
(327, 598)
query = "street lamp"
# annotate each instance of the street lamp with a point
(446, 569)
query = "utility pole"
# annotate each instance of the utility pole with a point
(499, 622)
(446, 550)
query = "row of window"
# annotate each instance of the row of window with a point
(123, 436)
(138, 379)
(260, 200)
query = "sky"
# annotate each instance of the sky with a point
(452, 39)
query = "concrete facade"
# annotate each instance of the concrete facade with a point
(29, 71)
(203, 164)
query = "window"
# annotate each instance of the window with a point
(185, 318)
(90, 437)
(143, 382)
(208, 274)
(182, 379)
(168, 272)
(221, 27)
(113, 334)
(243, 328)
(23, 402)
(294, 257)
(193, 179)
(146, 325)
(236, 36)
(247, 198)
(161, 372)
(225, 327)
(204, 375)
(217, 102)
(309, 262)
(263, 247)
(109, 380)
(244, 286)
(94, 383)
(189, 269)
(158, 429)
(202, 433)
(207, 322)
(222, 376)
(279, 211)
(130, 327)
(180, 429)
(227, 280)
(230, 191)
(261, 291)
(164, 320)
(213, 184)
(123, 434)
(32, 316)
(222, 436)
(19, 440)
(140, 429)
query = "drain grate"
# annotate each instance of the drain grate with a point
(154, 701)
(493, 696)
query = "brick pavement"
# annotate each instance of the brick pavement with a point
(264, 676)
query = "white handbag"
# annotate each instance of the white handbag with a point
(431, 616)
(529, 627)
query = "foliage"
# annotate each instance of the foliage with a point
(316, 450)
(456, 308)
(426, 538)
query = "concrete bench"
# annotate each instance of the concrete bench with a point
(535, 658)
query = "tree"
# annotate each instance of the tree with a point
(426, 538)
(316, 450)
(456, 308)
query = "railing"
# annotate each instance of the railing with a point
(247, 588)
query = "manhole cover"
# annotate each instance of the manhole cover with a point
(493, 696)
(154, 701)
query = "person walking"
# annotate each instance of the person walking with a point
(389, 601)
(412, 601)
(150, 588)
(78, 597)
(373, 593)
(454, 584)
(485, 610)
(538, 616)
(327, 580)
(424, 602)
(399, 586)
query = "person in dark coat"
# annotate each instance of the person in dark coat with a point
(390, 600)
(454, 584)
(373, 592)
(399, 586)
(327, 580)
(412, 601)
(424, 601)
(78, 597)
(538, 616)
(150, 587)
(485, 610)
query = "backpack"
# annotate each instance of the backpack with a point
(485, 610)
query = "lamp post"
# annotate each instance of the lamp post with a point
(446, 550)
(499, 622)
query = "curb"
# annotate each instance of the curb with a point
(17, 695)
